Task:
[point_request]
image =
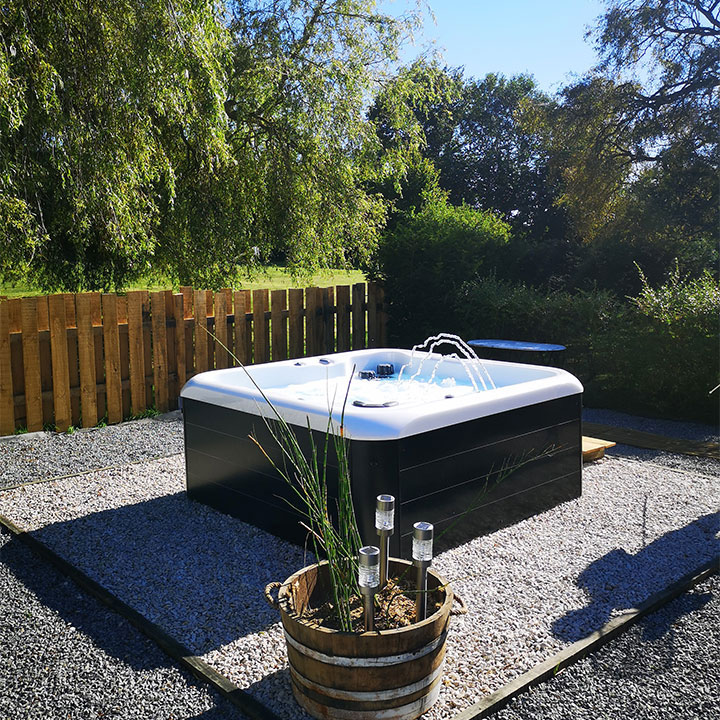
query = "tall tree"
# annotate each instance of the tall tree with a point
(676, 43)
(651, 105)
(476, 135)
(187, 137)
(302, 147)
(497, 161)
(92, 97)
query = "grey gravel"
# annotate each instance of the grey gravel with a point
(532, 588)
(670, 428)
(64, 655)
(46, 455)
(666, 667)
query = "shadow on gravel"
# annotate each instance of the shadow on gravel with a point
(78, 609)
(620, 580)
(196, 573)
(277, 686)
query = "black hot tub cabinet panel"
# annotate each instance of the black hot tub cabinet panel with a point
(447, 476)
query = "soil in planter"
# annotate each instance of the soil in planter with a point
(394, 608)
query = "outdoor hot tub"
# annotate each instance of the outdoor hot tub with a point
(439, 433)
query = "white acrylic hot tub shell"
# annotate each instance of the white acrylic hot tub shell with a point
(518, 385)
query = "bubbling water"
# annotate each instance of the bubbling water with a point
(425, 384)
(470, 362)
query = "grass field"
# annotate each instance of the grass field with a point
(273, 278)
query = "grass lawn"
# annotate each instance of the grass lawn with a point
(274, 278)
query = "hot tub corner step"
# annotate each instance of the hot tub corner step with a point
(594, 448)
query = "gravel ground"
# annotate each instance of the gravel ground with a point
(45, 455)
(64, 655)
(695, 465)
(532, 589)
(665, 667)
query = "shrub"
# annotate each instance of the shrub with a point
(654, 354)
(425, 259)
(677, 363)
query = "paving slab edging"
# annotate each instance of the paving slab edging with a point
(168, 644)
(580, 649)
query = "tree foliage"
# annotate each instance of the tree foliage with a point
(425, 259)
(93, 100)
(677, 44)
(476, 135)
(650, 107)
(187, 137)
(303, 151)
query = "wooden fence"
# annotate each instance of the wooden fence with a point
(76, 359)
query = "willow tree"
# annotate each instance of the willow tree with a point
(302, 148)
(650, 107)
(93, 97)
(190, 138)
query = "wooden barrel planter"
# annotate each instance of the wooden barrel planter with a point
(385, 675)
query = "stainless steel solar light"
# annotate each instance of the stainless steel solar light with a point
(369, 581)
(422, 557)
(385, 526)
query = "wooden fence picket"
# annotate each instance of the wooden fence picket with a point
(136, 345)
(86, 360)
(278, 324)
(31, 362)
(74, 359)
(358, 316)
(342, 301)
(222, 359)
(200, 339)
(7, 402)
(60, 369)
(160, 351)
(45, 358)
(111, 341)
(261, 344)
(296, 316)
(170, 336)
(180, 337)
(243, 348)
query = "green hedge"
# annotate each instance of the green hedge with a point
(655, 354)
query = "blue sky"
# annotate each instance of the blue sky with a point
(544, 38)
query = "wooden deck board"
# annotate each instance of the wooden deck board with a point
(594, 448)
